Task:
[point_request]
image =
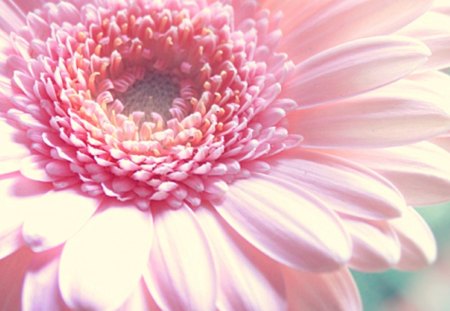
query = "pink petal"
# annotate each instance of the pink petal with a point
(322, 292)
(433, 29)
(26, 6)
(441, 6)
(12, 150)
(353, 68)
(17, 191)
(434, 82)
(5, 84)
(181, 270)
(11, 221)
(286, 223)
(416, 239)
(421, 171)
(33, 167)
(10, 240)
(403, 112)
(11, 18)
(11, 145)
(64, 11)
(40, 286)
(442, 141)
(57, 216)
(320, 24)
(345, 186)
(17, 194)
(10, 230)
(101, 265)
(12, 271)
(375, 244)
(140, 300)
(248, 280)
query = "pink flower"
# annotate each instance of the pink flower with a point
(231, 155)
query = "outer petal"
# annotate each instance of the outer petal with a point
(401, 113)
(375, 244)
(57, 216)
(11, 140)
(11, 221)
(434, 30)
(353, 68)
(9, 166)
(322, 24)
(441, 6)
(286, 223)
(343, 185)
(443, 141)
(181, 269)
(11, 17)
(417, 241)
(40, 286)
(248, 280)
(12, 271)
(17, 194)
(12, 151)
(10, 240)
(102, 264)
(33, 167)
(322, 292)
(140, 300)
(421, 171)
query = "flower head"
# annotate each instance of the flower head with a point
(239, 155)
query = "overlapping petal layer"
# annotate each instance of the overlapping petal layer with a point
(203, 155)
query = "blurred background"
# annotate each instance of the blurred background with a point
(423, 290)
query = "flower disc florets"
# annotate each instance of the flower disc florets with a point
(146, 102)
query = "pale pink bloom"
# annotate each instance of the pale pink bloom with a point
(231, 155)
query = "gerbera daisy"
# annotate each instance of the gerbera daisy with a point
(202, 155)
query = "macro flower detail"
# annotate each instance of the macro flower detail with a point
(231, 155)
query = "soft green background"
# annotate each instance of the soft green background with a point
(380, 289)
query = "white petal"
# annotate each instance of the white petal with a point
(103, 262)
(345, 186)
(416, 239)
(248, 280)
(420, 171)
(17, 194)
(322, 24)
(140, 300)
(181, 270)
(354, 68)
(401, 113)
(11, 145)
(375, 244)
(10, 241)
(17, 191)
(286, 223)
(56, 216)
(9, 166)
(33, 167)
(40, 287)
(433, 29)
(442, 141)
(11, 216)
(12, 151)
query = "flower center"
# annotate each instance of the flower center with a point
(151, 103)
(154, 93)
